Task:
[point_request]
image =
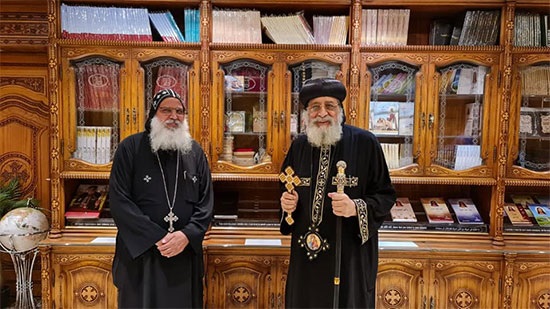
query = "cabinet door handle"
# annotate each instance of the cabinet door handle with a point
(283, 118)
(134, 116)
(127, 116)
(424, 302)
(431, 120)
(272, 300)
(279, 300)
(432, 302)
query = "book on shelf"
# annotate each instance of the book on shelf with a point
(529, 29)
(87, 202)
(517, 215)
(543, 121)
(236, 26)
(422, 226)
(105, 23)
(533, 81)
(166, 26)
(384, 117)
(523, 200)
(527, 122)
(91, 222)
(385, 26)
(234, 83)
(288, 29)
(472, 119)
(192, 24)
(330, 29)
(455, 35)
(406, 118)
(465, 210)
(480, 27)
(440, 32)
(93, 144)
(402, 211)
(236, 121)
(391, 154)
(467, 156)
(541, 213)
(545, 36)
(436, 210)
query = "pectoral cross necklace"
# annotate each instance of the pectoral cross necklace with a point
(170, 217)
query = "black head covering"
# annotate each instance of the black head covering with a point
(322, 87)
(157, 99)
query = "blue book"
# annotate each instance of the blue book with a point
(465, 211)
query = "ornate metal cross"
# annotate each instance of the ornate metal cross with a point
(290, 181)
(340, 180)
(171, 218)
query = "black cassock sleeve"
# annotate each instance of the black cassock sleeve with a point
(202, 208)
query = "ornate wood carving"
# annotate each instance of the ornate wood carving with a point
(22, 30)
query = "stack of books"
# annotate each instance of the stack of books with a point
(244, 156)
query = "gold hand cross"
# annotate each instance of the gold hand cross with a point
(290, 181)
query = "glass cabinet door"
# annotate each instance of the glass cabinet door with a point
(300, 73)
(243, 122)
(457, 124)
(97, 104)
(168, 73)
(533, 146)
(392, 111)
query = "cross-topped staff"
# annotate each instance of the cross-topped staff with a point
(340, 181)
(290, 181)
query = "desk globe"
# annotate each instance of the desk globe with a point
(21, 230)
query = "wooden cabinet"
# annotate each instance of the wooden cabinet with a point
(526, 281)
(77, 274)
(452, 280)
(256, 96)
(246, 277)
(449, 139)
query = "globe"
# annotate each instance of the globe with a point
(21, 229)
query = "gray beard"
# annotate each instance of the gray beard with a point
(163, 138)
(324, 136)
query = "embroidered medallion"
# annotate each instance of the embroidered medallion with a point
(313, 242)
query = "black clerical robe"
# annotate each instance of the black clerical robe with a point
(310, 283)
(139, 205)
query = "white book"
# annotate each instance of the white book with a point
(402, 211)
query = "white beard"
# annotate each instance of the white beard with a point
(324, 136)
(164, 138)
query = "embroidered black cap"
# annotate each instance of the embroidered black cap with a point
(157, 99)
(322, 87)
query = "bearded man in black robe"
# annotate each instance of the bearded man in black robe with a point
(315, 205)
(161, 200)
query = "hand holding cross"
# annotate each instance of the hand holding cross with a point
(290, 181)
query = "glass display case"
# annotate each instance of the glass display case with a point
(392, 110)
(460, 116)
(533, 149)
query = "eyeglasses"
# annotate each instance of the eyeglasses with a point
(168, 111)
(329, 107)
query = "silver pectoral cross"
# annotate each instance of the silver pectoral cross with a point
(171, 218)
(340, 180)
